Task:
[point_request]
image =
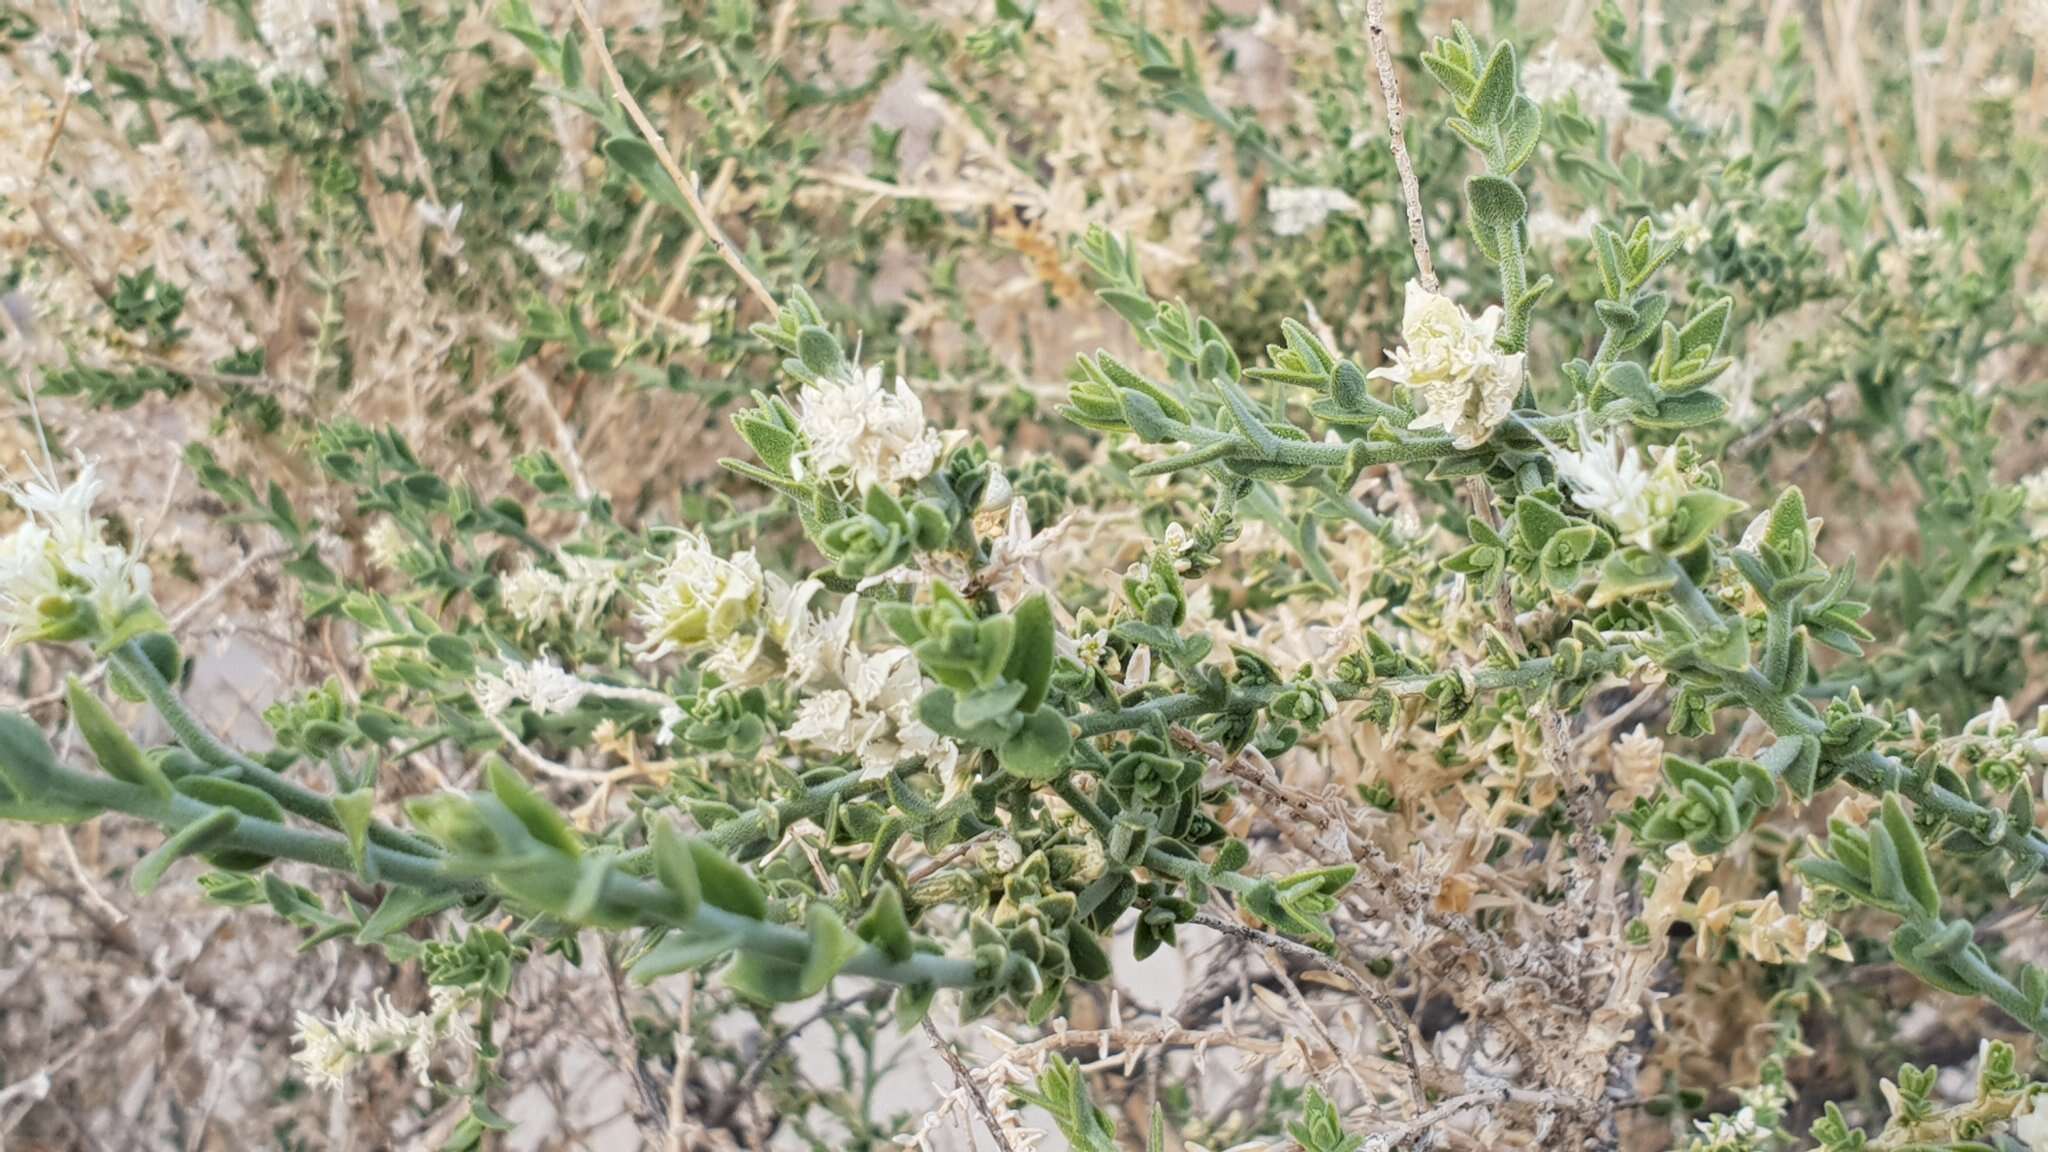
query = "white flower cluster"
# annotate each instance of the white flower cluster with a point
(1467, 384)
(1745, 1131)
(1549, 77)
(291, 29)
(2035, 490)
(387, 545)
(858, 430)
(558, 260)
(1687, 224)
(698, 597)
(865, 703)
(543, 684)
(1740, 1131)
(2030, 1124)
(551, 690)
(1610, 481)
(575, 597)
(1763, 930)
(56, 562)
(329, 1051)
(761, 627)
(1296, 211)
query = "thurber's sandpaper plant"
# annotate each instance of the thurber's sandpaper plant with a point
(1452, 615)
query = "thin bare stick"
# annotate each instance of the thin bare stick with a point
(565, 440)
(84, 878)
(678, 1081)
(1398, 1026)
(1411, 190)
(1413, 1130)
(75, 84)
(1849, 67)
(679, 278)
(1307, 1011)
(652, 1114)
(967, 1085)
(1920, 66)
(684, 183)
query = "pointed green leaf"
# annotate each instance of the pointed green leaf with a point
(1039, 748)
(832, 945)
(725, 884)
(118, 754)
(242, 798)
(885, 925)
(354, 811)
(681, 951)
(676, 868)
(542, 820)
(1496, 202)
(764, 978)
(1914, 873)
(197, 836)
(1496, 94)
(1031, 651)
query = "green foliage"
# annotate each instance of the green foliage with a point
(952, 687)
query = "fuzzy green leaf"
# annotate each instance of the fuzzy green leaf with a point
(1031, 651)
(197, 836)
(725, 884)
(118, 754)
(542, 820)
(1496, 202)
(676, 867)
(885, 925)
(1039, 748)
(832, 945)
(1495, 96)
(1914, 873)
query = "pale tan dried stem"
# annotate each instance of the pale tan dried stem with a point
(965, 1079)
(1849, 68)
(685, 184)
(679, 1121)
(1411, 189)
(1307, 1012)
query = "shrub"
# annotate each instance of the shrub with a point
(1408, 614)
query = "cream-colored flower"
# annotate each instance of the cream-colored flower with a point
(2035, 490)
(1296, 211)
(2030, 1125)
(1735, 1131)
(557, 259)
(1763, 930)
(1638, 760)
(1665, 902)
(1687, 224)
(387, 544)
(551, 690)
(859, 431)
(55, 564)
(1467, 384)
(27, 577)
(543, 684)
(576, 597)
(1609, 480)
(331, 1050)
(866, 702)
(823, 719)
(1550, 77)
(291, 30)
(698, 597)
(529, 595)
